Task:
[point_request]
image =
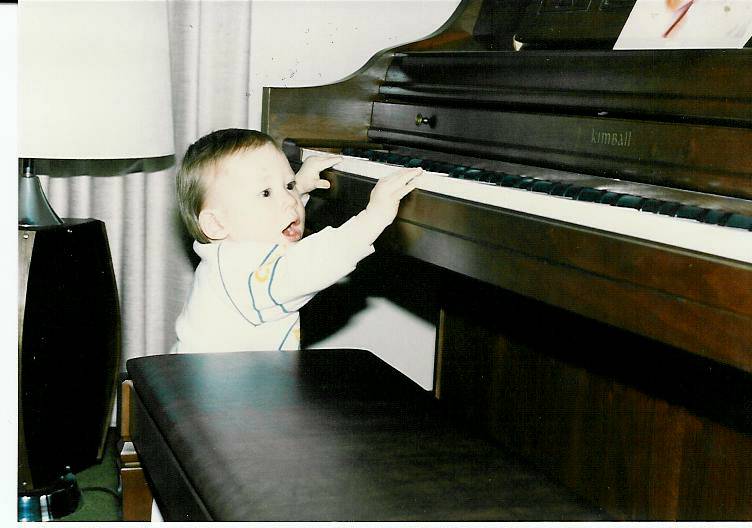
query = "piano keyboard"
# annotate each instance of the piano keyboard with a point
(633, 216)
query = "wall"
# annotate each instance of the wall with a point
(314, 42)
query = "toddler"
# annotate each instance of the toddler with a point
(244, 206)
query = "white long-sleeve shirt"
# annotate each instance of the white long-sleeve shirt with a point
(246, 295)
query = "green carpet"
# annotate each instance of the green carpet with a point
(100, 497)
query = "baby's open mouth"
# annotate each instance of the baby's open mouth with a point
(293, 232)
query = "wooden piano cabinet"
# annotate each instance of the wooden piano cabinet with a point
(136, 495)
(643, 430)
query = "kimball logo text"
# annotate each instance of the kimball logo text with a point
(616, 139)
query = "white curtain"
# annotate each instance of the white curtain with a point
(212, 88)
(150, 267)
(152, 259)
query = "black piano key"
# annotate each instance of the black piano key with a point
(472, 174)
(457, 171)
(669, 208)
(739, 220)
(495, 177)
(486, 176)
(589, 194)
(542, 186)
(511, 180)
(573, 191)
(482, 176)
(444, 168)
(380, 156)
(559, 189)
(651, 205)
(691, 212)
(396, 159)
(610, 198)
(630, 201)
(429, 165)
(527, 183)
(351, 151)
(715, 216)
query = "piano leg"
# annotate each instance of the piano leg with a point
(645, 431)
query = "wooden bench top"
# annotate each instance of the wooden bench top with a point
(319, 435)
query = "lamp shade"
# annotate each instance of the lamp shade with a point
(94, 80)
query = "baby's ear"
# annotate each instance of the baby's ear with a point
(211, 224)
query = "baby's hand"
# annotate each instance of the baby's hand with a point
(308, 178)
(386, 195)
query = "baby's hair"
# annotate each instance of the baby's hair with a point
(202, 156)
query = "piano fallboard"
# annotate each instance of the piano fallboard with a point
(688, 156)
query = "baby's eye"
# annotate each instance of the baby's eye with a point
(291, 185)
(266, 193)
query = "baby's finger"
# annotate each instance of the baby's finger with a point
(404, 191)
(328, 162)
(403, 177)
(323, 184)
(410, 179)
(319, 163)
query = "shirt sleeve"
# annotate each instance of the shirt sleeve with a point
(315, 263)
(267, 284)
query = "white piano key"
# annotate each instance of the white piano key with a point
(731, 243)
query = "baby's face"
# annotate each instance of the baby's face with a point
(254, 197)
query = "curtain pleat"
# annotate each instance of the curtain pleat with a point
(133, 265)
(210, 46)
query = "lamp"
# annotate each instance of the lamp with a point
(94, 84)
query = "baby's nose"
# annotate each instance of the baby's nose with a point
(289, 199)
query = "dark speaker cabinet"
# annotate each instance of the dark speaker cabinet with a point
(68, 349)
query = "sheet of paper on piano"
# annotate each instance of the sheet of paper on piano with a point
(687, 24)
(735, 244)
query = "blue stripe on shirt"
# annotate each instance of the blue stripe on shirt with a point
(271, 279)
(224, 286)
(250, 287)
(288, 332)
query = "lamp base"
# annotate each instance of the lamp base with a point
(33, 207)
(54, 502)
(68, 352)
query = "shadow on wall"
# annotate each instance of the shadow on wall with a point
(406, 282)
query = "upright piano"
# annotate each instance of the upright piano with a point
(589, 211)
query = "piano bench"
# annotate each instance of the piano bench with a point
(318, 435)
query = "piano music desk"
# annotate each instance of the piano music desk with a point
(335, 435)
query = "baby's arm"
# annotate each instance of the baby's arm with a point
(323, 258)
